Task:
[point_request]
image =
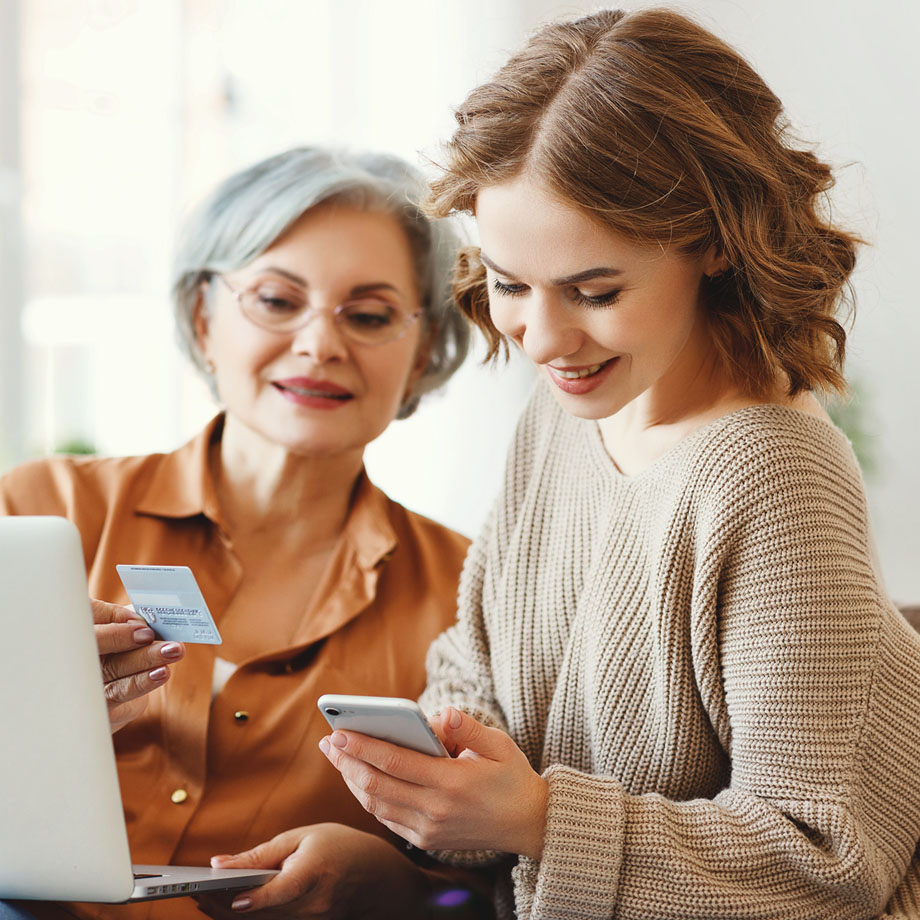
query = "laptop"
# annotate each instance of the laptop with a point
(62, 828)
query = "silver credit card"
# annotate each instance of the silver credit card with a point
(169, 599)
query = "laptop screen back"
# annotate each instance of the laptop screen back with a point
(62, 832)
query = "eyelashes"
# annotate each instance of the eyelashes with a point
(508, 290)
(594, 301)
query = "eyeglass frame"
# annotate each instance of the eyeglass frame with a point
(310, 313)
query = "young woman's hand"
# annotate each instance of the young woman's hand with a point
(132, 663)
(486, 796)
(327, 870)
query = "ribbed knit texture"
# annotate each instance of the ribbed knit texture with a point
(702, 663)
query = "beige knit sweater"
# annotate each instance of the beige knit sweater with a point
(702, 663)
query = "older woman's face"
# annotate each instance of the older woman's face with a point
(315, 391)
(605, 320)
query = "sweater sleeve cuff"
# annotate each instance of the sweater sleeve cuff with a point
(578, 875)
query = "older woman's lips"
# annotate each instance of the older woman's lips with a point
(582, 379)
(315, 394)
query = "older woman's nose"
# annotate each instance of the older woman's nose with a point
(320, 337)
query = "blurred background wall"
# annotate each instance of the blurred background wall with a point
(117, 115)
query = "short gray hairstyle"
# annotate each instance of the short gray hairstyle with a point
(251, 209)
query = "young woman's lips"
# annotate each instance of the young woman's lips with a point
(315, 394)
(582, 379)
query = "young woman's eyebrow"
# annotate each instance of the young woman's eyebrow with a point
(589, 274)
(495, 268)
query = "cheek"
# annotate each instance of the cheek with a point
(502, 313)
(387, 376)
(248, 344)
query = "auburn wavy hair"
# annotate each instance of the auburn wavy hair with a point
(660, 130)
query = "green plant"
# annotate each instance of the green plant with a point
(75, 446)
(850, 414)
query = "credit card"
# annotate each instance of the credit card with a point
(169, 599)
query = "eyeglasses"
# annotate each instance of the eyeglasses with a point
(279, 307)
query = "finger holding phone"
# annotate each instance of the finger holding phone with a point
(485, 795)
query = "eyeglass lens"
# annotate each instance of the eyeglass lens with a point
(274, 305)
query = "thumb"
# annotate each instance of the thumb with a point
(104, 612)
(463, 732)
(266, 855)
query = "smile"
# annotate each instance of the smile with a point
(304, 391)
(313, 394)
(580, 372)
(579, 381)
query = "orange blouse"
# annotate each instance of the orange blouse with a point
(201, 777)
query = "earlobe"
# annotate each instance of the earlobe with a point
(715, 262)
(422, 357)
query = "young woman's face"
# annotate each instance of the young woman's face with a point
(605, 319)
(314, 390)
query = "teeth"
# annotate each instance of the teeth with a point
(302, 392)
(584, 372)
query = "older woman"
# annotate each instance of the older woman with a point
(315, 297)
(676, 688)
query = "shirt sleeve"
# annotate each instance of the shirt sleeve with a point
(815, 677)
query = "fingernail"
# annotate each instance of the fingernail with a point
(324, 745)
(338, 739)
(454, 719)
(144, 634)
(216, 859)
(171, 650)
(242, 904)
(158, 674)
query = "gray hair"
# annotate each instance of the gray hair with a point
(251, 209)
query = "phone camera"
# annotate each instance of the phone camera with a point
(332, 711)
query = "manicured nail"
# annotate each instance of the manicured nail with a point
(338, 739)
(158, 674)
(454, 719)
(242, 904)
(324, 745)
(171, 650)
(144, 634)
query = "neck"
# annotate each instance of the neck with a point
(694, 392)
(262, 486)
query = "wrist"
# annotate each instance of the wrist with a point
(404, 888)
(534, 831)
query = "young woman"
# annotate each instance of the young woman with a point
(676, 688)
(315, 297)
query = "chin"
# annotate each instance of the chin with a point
(586, 408)
(320, 447)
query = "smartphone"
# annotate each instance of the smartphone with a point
(388, 718)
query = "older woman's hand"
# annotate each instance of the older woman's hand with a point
(485, 797)
(132, 663)
(327, 870)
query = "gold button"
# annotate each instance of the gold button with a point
(179, 796)
(241, 715)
